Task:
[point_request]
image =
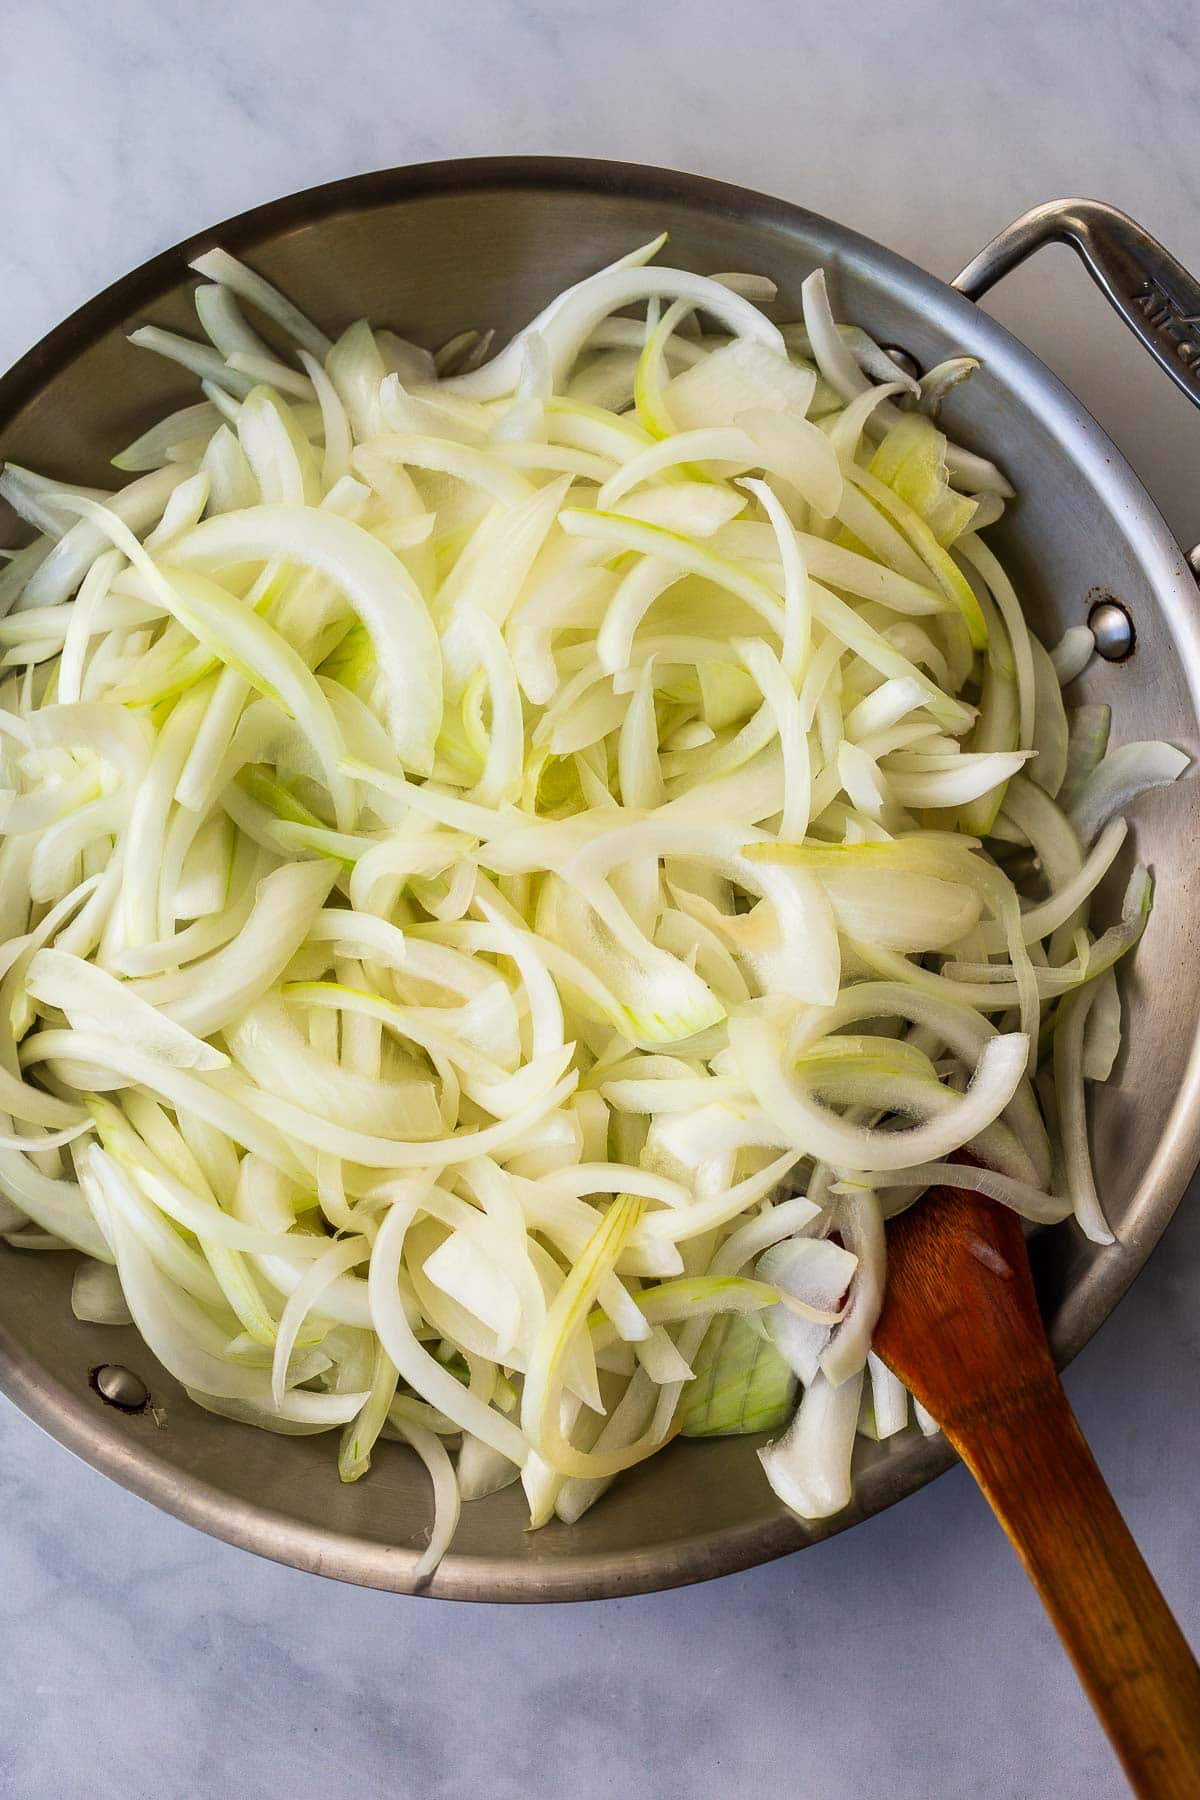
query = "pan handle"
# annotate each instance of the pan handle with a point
(1154, 294)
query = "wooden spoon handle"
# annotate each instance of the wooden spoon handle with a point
(1044, 1486)
(961, 1328)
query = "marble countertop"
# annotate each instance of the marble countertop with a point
(908, 1658)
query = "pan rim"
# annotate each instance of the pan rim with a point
(71, 1418)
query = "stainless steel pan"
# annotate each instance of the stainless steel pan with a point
(432, 250)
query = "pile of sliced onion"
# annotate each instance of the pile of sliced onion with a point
(512, 870)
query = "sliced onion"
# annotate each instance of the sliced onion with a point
(523, 870)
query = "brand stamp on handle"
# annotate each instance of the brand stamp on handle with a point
(1167, 322)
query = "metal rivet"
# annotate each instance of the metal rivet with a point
(1112, 629)
(903, 359)
(120, 1387)
(1193, 560)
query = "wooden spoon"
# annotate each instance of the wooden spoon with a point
(960, 1327)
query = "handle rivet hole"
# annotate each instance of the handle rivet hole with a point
(119, 1387)
(904, 360)
(1112, 628)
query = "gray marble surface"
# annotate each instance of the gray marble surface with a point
(906, 1659)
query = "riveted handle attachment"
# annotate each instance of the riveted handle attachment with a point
(1155, 295)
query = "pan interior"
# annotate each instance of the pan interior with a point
(430, 252)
